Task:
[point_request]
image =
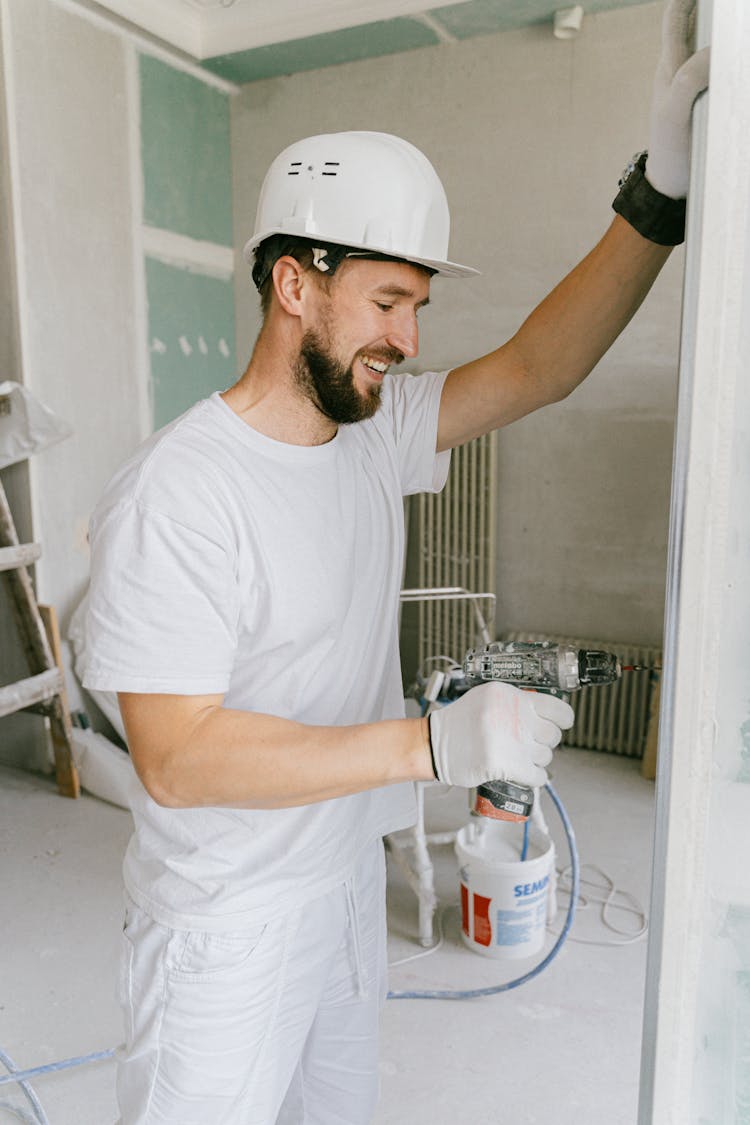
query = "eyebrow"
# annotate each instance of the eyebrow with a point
(399, 291)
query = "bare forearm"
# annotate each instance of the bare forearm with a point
(569, 332)
(558, 344)
(245, 760)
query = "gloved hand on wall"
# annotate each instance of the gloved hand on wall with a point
(680, 76)
(496, 732)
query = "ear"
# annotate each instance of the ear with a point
(290, 283)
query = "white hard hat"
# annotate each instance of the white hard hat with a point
(370, 191)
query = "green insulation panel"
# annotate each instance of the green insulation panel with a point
(462, 20)
(187, 177)
(349, 44)
(191, 337)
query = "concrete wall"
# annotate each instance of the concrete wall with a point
(529, 135)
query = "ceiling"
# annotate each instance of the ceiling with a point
(246, 40)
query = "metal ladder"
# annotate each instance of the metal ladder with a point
(43, 692)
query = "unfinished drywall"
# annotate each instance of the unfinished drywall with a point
(187, 209)
(186, 160)
(191, 334)
(529, 135)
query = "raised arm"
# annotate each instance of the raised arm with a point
(558, 344)
(569, 332)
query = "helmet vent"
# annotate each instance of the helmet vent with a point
(294, 168)
(333, 165)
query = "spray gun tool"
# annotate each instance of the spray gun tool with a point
(557, 669)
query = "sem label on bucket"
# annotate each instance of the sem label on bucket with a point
(504, 899)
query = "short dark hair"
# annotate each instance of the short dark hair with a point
(267, 255)
(306, 251)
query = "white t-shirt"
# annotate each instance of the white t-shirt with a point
(226, 562)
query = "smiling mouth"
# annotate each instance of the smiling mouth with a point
(377, 366)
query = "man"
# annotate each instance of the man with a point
(245, 567)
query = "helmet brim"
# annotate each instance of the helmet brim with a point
(443, 269)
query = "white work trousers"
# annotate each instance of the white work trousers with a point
(273, 1025)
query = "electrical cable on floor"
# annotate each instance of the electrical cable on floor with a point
(433, 948)
(631, 905)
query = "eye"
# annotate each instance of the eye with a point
(383, 307)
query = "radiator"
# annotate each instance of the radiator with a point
(456, 530)
(613, 718)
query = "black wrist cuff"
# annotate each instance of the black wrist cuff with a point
(657, 217)
(432, 752)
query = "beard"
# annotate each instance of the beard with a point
(329, 383)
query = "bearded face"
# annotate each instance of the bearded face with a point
(330, 383)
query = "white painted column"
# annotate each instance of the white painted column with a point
(695, 1065)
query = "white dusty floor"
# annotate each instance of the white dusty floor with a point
(561, 1049)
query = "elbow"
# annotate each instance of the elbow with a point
(165, 797)
(167, 749)
(163, 785)
(560, 393)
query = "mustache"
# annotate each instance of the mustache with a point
(385, 355)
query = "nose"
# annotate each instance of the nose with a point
(404, 335)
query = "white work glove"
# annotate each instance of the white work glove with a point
(496, 732)
(680, 77)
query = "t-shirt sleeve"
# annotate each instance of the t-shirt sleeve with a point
(163, 606)
(415, 406)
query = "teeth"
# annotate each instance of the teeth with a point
(376, 365)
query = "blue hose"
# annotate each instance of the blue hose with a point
(471, 993)
(64, 1064)
(20, 1077)
(525, 848)
(33, 1100)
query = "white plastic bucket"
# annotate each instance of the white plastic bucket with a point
(504, 899)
